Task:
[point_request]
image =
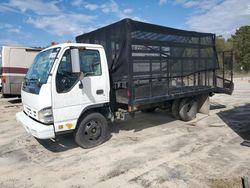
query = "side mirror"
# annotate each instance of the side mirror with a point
(74, 52)
(81, 76)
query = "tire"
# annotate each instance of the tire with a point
(148, 110)
(188, 109)
(92, 130)
(175, 109)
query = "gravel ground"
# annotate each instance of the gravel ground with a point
(152, 150)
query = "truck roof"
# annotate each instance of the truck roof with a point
(63, 45)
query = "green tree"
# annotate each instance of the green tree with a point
(241, 47)
(222, 44)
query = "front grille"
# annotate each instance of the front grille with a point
(30, 112)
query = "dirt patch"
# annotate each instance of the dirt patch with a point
(158, 176)
(123, 166)
(225, 183)
(152, 150)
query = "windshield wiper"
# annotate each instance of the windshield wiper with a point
(34, 80)
(25, 78)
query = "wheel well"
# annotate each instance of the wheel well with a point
(104, 110)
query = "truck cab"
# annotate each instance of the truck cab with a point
(63, 85)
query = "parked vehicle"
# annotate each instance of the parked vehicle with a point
(15, 62)
(79, 87)
(1, 86)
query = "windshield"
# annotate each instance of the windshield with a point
(39, 70)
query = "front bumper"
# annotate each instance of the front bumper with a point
(35, 128)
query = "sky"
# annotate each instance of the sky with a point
(39, 22)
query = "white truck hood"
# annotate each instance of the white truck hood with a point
(33, 103)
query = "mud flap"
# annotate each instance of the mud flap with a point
(203, 104)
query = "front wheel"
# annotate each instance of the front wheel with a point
(92, 130)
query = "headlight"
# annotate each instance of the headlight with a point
(46, 115)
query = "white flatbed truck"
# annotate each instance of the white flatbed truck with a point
(80, 87)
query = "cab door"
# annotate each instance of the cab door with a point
(69, 95)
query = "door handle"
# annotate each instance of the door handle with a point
(99, 91)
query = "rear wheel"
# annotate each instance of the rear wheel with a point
(188, 109)
(92, 130)
(175, 108)
(6, 96)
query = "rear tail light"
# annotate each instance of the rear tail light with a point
(132, 108)
(3, 78)
(128, 93)
(129, 108)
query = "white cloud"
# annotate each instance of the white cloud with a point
(162, 2)
(48, 16)
(91, 7)
(105, 8)
(113, 7)
(77, 3)
(128, 10)
(10, 28)
(199, 5)
(39, 7)
(5, 26)
(8, 42)
(4, 7)
(63, 24)
(223, 18)
(15, 30)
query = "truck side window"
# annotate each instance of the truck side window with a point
(90, 63)
(65, 78)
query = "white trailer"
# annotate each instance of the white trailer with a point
(15, 62)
